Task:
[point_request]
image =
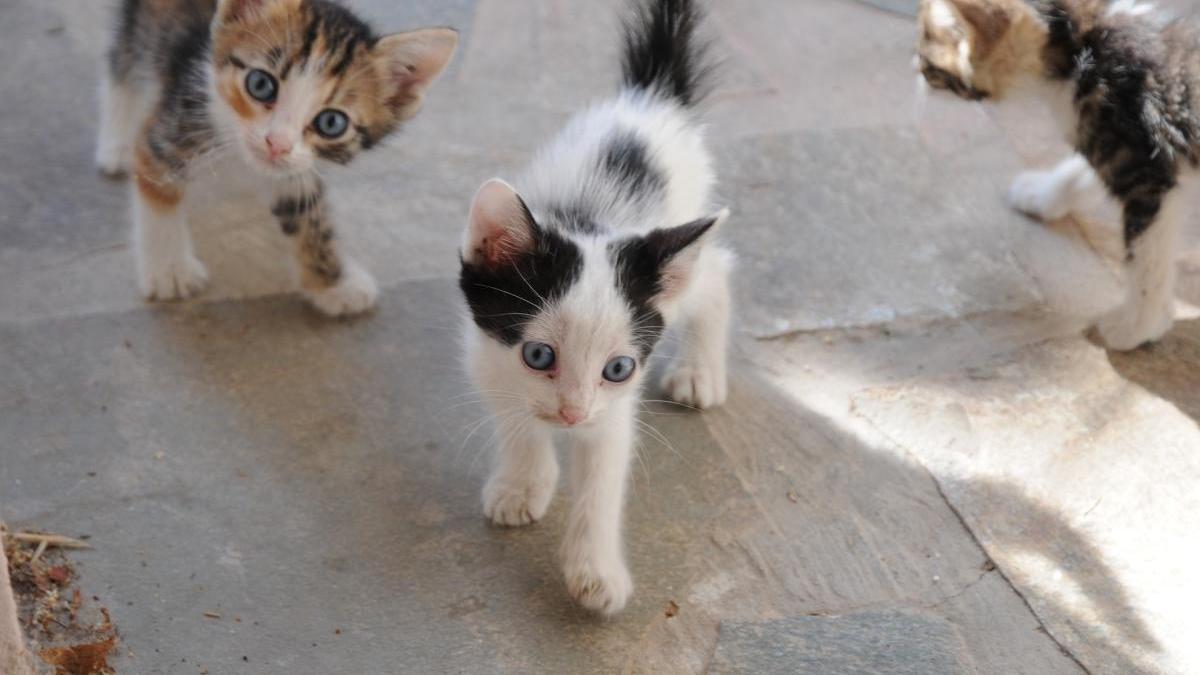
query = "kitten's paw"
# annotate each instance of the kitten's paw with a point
(700, 386)
(354, 293)
(1127, 328)
(175, 277)
(113, 160)
(603, 588)
(513, 505)
(1037, 194)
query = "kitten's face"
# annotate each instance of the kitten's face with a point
(571, 322)
(974, 48)
(302, 80)
(576, 356)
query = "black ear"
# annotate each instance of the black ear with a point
(665, 244)
(660, 264)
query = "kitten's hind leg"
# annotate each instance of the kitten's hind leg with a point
(697, 377)
(1055, 193)
(334, 284)
(123, 109)
(525, 474)
(1148, 311)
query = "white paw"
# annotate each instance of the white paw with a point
(175, 277)
(1037, 194)
(1128, 328)
(354, 293)
(698, 385)
(112, 159)
(603, 588)
(513, 505)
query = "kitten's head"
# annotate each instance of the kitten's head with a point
(303, 80)
(570, 321)
(976, 48)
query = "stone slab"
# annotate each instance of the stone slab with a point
(869, 643)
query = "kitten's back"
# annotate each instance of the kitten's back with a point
(638, 160)
(154, 37)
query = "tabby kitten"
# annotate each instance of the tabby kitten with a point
(1124, 81)
(287, 84)
(571, 278)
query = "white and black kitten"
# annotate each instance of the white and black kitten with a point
(573, 273)
(1124, 81)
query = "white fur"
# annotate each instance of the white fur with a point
(354, 293)
(1149, 308)
(123, 110)
(1071, 187)
(167, 266)
(1130, 8)
(591, 324)
(943, 14)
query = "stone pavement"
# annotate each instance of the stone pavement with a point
(924, 465)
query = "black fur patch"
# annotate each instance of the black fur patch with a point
(339, 153)
(627, 159)
(1135, 84)
(662, 52)
(1062, 49)
(639, 264)
(504, 299)
(292, 207)
(574, 218)
(342, 33)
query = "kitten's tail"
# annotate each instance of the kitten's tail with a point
(662, 52)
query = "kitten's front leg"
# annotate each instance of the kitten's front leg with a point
(593, 554)
(525, 474)
(1055, 193)
(167, 266)
(332, 282)
(698, 377)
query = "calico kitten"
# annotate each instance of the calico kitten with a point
(285, 84)
(571, 278)
(1124, 82)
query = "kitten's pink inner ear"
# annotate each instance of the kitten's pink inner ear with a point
(499, 226)
(413, 60)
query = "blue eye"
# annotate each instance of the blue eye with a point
(538, 355)
(261, 85)
(331, 123)
(619, 369)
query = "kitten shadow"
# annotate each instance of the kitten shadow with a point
(1169, 368)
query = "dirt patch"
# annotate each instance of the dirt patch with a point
(67, 631)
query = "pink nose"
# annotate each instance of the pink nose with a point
(570, 416)
(278, 146)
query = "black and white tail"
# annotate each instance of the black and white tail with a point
(662, 52)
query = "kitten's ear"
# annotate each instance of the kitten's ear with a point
(989, 20)
(411, 62)
(500, 226)
(677, 249)
(229, 10)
